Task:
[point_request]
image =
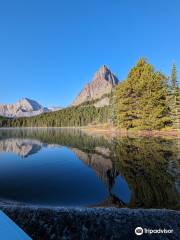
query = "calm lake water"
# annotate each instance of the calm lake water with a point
(66, 167)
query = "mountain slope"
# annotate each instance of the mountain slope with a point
(102, 83)
(23, 108)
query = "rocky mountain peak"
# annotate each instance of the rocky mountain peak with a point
(105, 74)
(23, 108)
(103, 69)
(29, 104)
(102, 83)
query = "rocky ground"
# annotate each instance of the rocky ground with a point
(93, 223)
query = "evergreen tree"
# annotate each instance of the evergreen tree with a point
(175, 99)
(69, 117)
(141, 99)
(174, 76)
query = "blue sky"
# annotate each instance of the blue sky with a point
(49, 49)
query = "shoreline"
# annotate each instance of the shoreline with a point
(113, 131)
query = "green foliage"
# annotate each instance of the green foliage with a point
(68, 117)
(174, 101)
(141, 100)
(2, 120)
(174, 76)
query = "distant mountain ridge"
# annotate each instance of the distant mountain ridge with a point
(98, 89)
(102, 83)
(23, 108)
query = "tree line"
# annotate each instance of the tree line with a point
(68, 117)
(146, 99)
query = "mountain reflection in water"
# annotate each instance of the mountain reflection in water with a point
(66, 167)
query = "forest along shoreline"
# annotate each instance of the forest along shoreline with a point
(147, 101)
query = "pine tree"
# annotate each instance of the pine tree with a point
(174, 76)
(142, 99)
(112, 109)
(175, 99)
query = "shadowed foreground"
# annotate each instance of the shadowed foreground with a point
(93, 223)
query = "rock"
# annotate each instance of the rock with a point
(94, 223)
(102, 102)
(103, 82)
(24, 108)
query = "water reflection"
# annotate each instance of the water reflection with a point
(22, 147)
(66, 167)
(144, 163)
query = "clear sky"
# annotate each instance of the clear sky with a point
(49, 49)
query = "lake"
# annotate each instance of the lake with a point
(67, 167)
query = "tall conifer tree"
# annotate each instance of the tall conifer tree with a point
(142, 99)
(174, 76)
(175, 99)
